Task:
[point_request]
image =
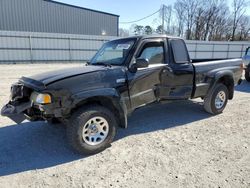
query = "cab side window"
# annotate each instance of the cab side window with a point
(153, 52)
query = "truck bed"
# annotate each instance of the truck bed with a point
(205, 70)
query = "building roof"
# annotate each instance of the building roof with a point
(152, 36)
(158, 36)
(74, 6)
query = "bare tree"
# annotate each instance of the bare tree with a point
(239, 9)
(210, 15)
(219, 19)
(244, 28)
(179, 11)
(167, 17)
(221, 27)
(212, 20)
(190, 9)
(202, 20)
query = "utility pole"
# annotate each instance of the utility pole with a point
(163, 20)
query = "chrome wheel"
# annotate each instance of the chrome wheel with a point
(220, 100)
(95, 131)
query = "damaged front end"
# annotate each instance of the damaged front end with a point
(18, 104)
(32, 100)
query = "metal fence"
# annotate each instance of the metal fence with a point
(216, 49)
(24, 47)
(18, 47)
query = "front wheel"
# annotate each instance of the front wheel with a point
(216, 101)
(247, 75)
(91, 129)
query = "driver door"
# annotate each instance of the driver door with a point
(143, 83)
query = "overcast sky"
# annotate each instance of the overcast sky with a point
(128, 10)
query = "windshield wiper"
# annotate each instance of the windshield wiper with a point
(101, 63)
(87, 63)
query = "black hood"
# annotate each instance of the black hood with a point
(47, 78)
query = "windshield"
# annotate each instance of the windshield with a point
(113, 52)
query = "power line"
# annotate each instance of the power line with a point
(141, 18)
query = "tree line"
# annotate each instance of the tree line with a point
(200, 20)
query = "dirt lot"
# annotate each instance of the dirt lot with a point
(170, 145)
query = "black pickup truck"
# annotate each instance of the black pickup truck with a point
(125, 74)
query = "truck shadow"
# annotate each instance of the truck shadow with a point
(32, 146)
(161, 117)
(243, 87)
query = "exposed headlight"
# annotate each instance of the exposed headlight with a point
(40, 98)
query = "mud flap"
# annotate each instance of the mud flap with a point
(15, 113)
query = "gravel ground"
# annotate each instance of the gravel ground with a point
(169, 145)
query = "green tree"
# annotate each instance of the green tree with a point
(138, 29)
(148, 30)
(159, 29)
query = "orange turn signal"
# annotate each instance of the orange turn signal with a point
(43, 99)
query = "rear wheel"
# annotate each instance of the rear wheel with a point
(216, 101)
(91, 129)
(247, 75)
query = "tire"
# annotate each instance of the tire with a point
(91, 129)
(247, 76)
(216, 100)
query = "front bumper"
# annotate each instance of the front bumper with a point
(15, 112)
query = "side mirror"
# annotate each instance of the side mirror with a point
(141, 63)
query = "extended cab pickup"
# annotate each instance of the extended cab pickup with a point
(124, 75)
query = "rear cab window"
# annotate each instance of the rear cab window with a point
(179, 49)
